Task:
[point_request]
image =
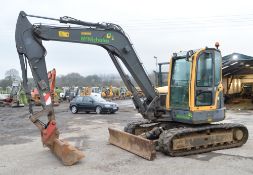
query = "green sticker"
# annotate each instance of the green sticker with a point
(95, 39)
(184, 116)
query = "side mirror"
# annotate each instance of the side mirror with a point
(189, 54)
(174, 55)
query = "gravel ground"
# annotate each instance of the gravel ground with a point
(21, 151)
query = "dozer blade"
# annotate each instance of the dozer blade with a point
(132, 143)
(66, 152)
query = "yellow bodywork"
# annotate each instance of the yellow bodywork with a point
(192, 94)
(107, 92)
(86, 91)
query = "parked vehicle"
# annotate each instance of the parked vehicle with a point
(92, 104)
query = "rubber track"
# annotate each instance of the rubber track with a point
(165, 139)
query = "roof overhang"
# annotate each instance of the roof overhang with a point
(237, 64)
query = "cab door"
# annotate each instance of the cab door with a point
(204, 87)
(207, 89)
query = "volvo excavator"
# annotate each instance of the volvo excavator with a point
(181, 122)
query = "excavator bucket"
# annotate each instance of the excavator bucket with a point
(66, 152)
(140, 146)
(61, 148)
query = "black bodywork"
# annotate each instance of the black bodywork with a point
(90, 103)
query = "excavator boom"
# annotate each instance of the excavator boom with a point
(111, 37)
(52, 80)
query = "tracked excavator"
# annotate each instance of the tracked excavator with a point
(181, 123)
(54, 96)
(52, 80)
(107, 92)
(17, 98)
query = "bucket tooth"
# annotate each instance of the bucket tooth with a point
(140, 146)
(66, 152)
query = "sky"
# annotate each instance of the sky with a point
(156, 29)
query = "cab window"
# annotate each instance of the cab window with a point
(205, 70)
(217, 62)
(179, 88)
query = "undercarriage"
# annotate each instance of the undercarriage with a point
(177, 139)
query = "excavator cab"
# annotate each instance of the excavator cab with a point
(195, 87)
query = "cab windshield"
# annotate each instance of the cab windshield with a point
(179, 86)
